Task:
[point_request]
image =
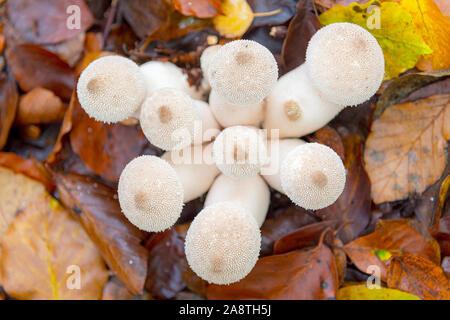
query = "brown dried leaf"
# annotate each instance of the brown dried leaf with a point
(49, 240)
(329, 137)
(118, 240)
(198, 8)
(45, 21)
(418, 276)
(115, 290)
(405, 150)
(33, 66)
(8, 104)
(40, 106)
(391, 238)
(306, 274)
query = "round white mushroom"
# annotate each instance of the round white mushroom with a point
(345, 63)
(243, 72)
(312, 176)
(111, 89)
(223, 243)
(150, 193)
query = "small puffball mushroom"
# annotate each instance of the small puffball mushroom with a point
(171, 120)
(312, 176)
(243, 72)
(111, 89)
(296, 108)
(223, 243)
(150, 194)
(165, 74)
(278, 150)
(240, 151)
(345, 62)
(229, 115)
(195, 168)
(252, 193)
(205, 59)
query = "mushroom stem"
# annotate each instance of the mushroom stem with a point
(251, 193)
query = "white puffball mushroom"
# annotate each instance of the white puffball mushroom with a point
(167, 75)
(312, 176)
(167, 119)
(243, 72)
(205, 59)
(150, 193)
(229, 115)
(195, 168)
(278, 149)
(223, 243)
(345, 62)
(252, 193)
(210, 128)
(111, 89)
(296, 108)
(240, 151)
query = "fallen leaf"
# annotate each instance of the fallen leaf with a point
(435, 30)
(418, 276)
(446, 266)
(40, 106)
(391, 238)
(105, 148)
(28, 167)
(8, 105)
(303, 275)
(33, 66)
(441, 232)
(288, 10)
(236, 18)
(444, 6)
(301, 28)
(16, 192)
(166, 265)
(115, 290)
(404, 152)
(46, 21)
(50, 241)
(331, 138)
(117, 239)
(397, 35)
(353, 207)
(198, 8)
(362, 292)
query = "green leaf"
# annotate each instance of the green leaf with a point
(362, 292)
(397, 35)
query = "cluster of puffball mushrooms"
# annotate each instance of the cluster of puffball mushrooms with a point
(344, 67)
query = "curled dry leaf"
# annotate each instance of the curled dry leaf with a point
(391, 238)
(117, 239)
(166, 265)
(445, 265)
(441, 232)
(405, 150)
(40, 106)
(198, 8)
(362, 292)
(25, 17)
(33, 66)
(8, 105)
(50, 242)
(105, 148)
(353, 207)
(418, 276)
(306, 274)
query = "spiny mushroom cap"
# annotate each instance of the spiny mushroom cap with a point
(111, 89)
(167, 119)
(312, 176)
(240, 152)
(243, 72)
(222, 244)
(345, 62)
(150, 193)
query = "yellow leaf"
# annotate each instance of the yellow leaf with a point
(397, 35)
(236, 18)
(362, 292)
(435, 30)
(404, 152)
